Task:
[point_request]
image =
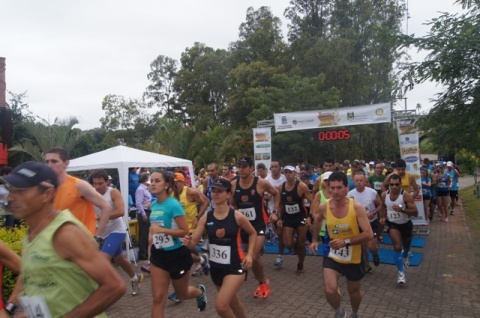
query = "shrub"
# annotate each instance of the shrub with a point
(12, 237)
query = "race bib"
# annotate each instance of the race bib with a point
(220, 254)
(377, 185)
(424, 191)
(249, 213)
(342, 254)
(35, 306)
(442, 185)
(393, 215)
(292, 209)
(162, 241)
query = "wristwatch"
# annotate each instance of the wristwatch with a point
(347, 242)
(11, 308)
(402, 208)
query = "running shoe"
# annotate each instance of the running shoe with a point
(376, 260)
(173, 297)
(452, 212)
(341, 315)
(406, 262)
(279, 261)
(136, 281)
(145, 268)
(204, 247)
(300, 269)
(401, 278)
(198, 271)
(205, 265)
(368, 269)
(202, 299)
(263, 290)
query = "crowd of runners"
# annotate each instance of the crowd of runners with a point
(214, 224)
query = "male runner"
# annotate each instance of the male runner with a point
(398, 207)
(247, 196)
(344, 218)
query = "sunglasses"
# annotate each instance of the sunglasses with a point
(394, 184)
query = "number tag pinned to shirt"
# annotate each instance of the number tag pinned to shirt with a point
(220, 254)
(162, 241)
(292, 209)
(35, 306)
(341, 254)
(249, 213)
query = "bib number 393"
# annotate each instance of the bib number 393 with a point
(341, 254)
(249, 213)
(220, 254)
(35, 306)
(162, 241)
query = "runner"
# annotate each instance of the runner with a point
(426, 193)
(293, 214)
(398, 207)
(443, 186)
(344, 218)
(212, 170)
(77, 280)
(116, 231)
(376, 180)
(372, 203)
(276, 178)
(328, 166)
(247, 196)
(408, 182)
(228, 263)
(453, 172)
(169, 259)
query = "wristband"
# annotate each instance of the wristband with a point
(98, 239)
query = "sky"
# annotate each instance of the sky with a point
(68, 55)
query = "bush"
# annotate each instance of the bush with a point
(12, 237)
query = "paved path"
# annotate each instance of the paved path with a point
(446, 284)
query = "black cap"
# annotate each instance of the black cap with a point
(245, 161)
(304, 176)
(30, 174)
(221, 183)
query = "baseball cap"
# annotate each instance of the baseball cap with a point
(304, 176)
(30, 174)
(371, 163)
(221, 183)
(449, 164)
(177, 176)
(245, 161)
(289, 167)
(326, 175)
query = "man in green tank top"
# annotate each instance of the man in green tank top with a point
(63, 273)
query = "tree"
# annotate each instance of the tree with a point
(160, 92)
(453, 46)
(45, 136)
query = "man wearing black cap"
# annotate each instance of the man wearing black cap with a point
(247, 196)
(63, 272)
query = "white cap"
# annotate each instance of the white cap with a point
(291, 168)
(449, 164)
(371, 163)
(326, 175)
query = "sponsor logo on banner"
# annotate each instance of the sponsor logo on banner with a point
(408, 141)
(409, 151)
(263, 146)
(411, 159)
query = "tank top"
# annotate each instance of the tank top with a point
(295, 210)
(426, 189)
(405, 182)
(250, 203)
(392, 215)
(61, 283)
(344, 228)
(164, 214)
(67, 197)
(365, 198)
(224, 241)
(442, 182)
(190, 208)
(113, 226)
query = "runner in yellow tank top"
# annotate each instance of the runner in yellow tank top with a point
(407, 180)
(343, 217)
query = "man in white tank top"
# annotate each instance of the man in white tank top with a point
(115, 231)
(398, 207)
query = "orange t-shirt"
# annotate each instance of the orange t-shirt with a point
(68, 198)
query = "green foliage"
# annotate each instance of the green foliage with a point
(453, 47)
(471, 205)
(45, 136)
(469, 161)
(13, 239)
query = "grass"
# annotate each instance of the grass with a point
(471, 205)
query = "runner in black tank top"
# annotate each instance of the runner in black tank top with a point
(295, 211)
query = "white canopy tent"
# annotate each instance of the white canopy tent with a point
(122, 158)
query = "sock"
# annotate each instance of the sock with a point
(340, 311)
(405, 252)
(135, 277)
(399, 261)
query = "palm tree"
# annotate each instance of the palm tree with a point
(45, 136)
